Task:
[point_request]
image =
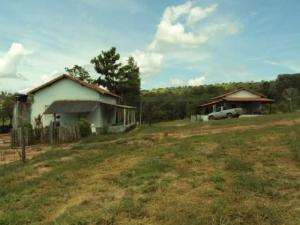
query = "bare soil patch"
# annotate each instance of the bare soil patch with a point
(11, 155)
(4, 140)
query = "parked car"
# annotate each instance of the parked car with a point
(222, 113)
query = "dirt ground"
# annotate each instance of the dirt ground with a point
(8, 155)
(4, 140)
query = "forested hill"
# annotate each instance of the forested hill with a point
(180, 102)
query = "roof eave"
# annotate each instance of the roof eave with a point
(237, 90)
(83, 83)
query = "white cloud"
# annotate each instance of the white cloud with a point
(11, 60)
(173, 30)
(272, 62)
(43, 79)
(47, 77)
(149, 62)
(177, 82)
(196, 81)
(198, 13)
(180, 31)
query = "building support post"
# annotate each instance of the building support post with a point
(124, 116)
(134, 116)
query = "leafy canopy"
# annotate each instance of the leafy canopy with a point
(108, 66)
(79, 73)
(123, 80)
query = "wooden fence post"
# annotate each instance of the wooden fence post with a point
(21, 137)
(23, 151)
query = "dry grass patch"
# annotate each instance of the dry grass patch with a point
(96, 186)
(221, 173)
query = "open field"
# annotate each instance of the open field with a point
(227, 172)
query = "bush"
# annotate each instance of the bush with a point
(84, 127)
(27, 125)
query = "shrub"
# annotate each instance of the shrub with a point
(84, 127)
(27, 125)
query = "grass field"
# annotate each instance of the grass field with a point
(227, 172)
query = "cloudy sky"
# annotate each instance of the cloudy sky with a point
(175, 42)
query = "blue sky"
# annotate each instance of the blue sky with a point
(174, 42)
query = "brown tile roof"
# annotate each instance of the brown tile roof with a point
(232, 99)
(237, 90)
(83, 83)
(262, 98)
(211, 103)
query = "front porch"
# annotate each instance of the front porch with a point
(121, 118)
(103, 117)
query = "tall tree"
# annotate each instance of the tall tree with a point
(7, 106)
(130, 83)
(107, 65)
(79, 73)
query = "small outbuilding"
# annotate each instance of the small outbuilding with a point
(250, 101)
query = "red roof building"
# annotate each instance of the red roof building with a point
(251, 102)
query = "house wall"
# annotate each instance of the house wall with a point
(68, 119)
(66, 89)
(96, 117)
(243, 94)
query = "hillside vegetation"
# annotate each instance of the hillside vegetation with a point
(244, 171)
(172, 103)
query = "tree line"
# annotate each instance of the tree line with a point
(173, 103)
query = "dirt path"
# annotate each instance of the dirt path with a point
(10, 155)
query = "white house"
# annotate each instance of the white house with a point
(66, 99)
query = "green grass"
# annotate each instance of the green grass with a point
(222, 172)
(236, 164)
